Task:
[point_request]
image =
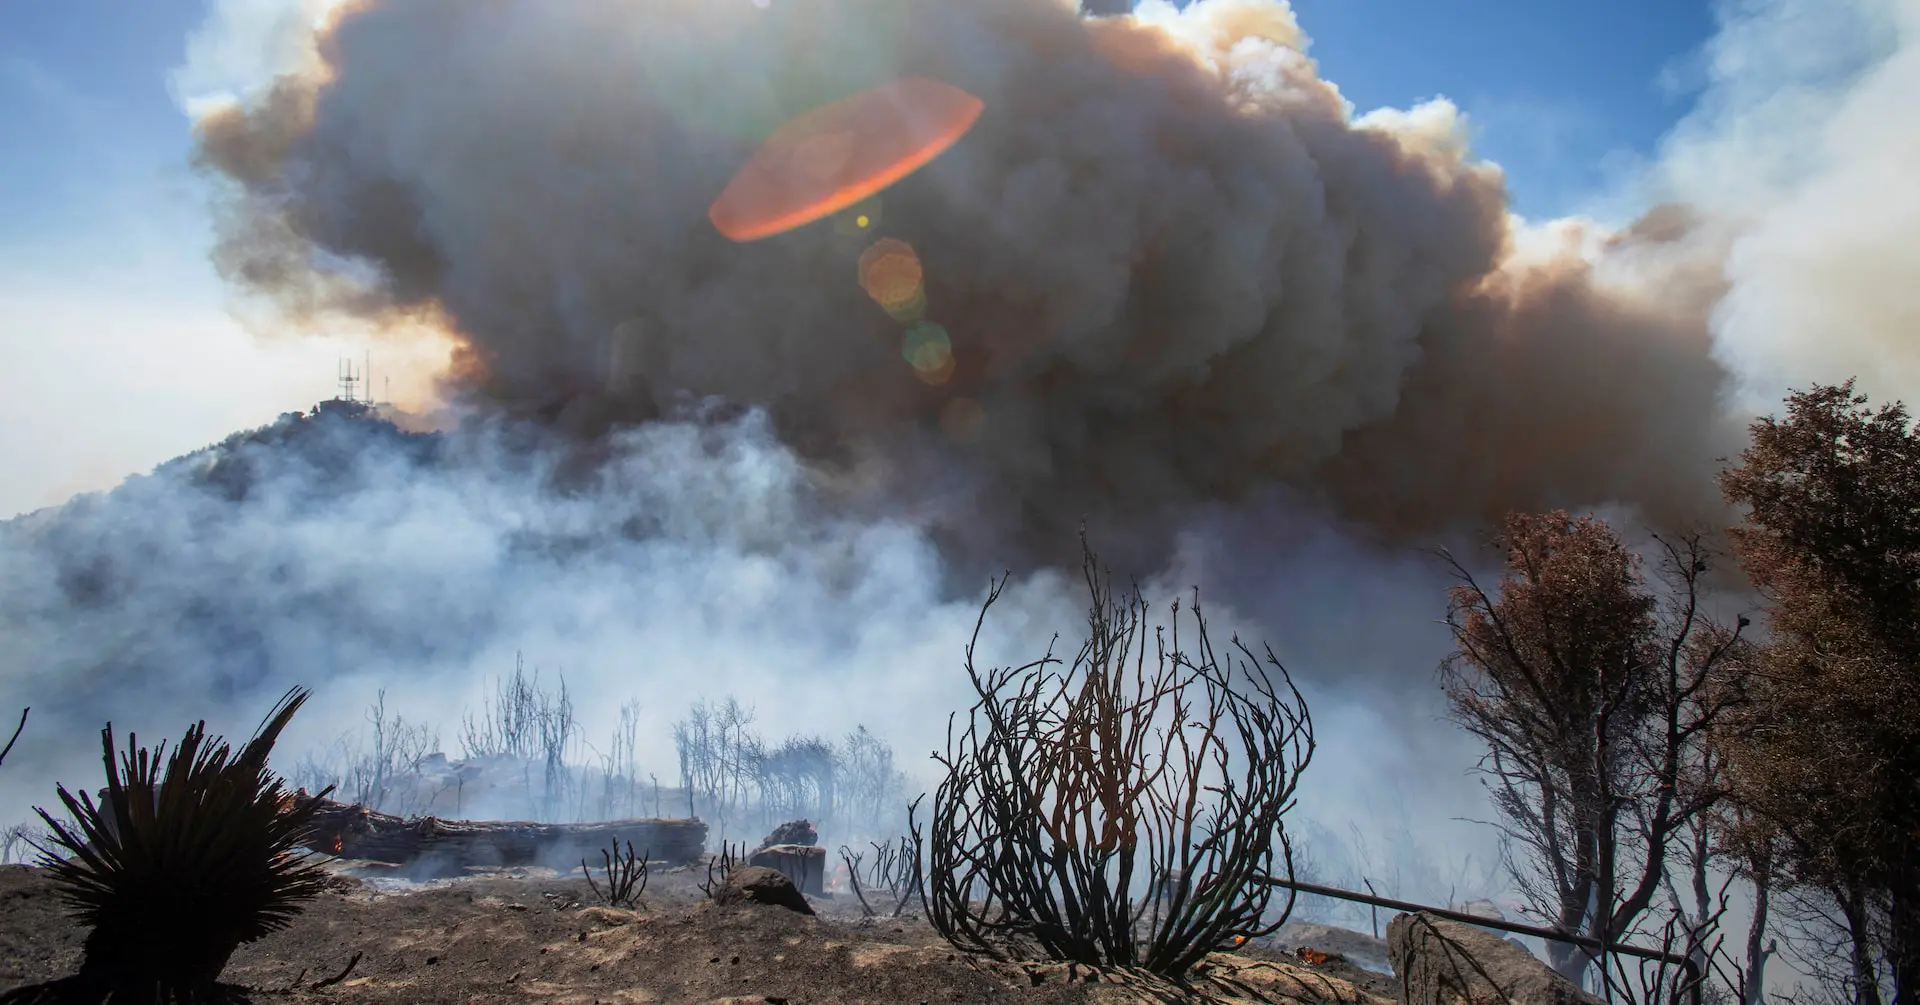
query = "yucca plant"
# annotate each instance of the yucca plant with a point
(172, 874)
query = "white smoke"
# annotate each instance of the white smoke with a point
(1801, 148)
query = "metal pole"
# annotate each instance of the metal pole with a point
(1694, 978)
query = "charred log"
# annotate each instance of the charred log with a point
(357, 833)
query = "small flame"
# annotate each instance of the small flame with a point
(1313, 956)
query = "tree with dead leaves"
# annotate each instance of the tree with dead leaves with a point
(1595, 695)
(1829, 748)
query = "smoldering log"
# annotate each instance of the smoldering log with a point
(358, 833)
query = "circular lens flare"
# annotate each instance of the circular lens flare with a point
(891, 274)
(929, 351)
(911, 311)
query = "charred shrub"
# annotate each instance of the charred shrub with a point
(626, 876)
(721, 866)
(1123, 809)
(893, 879)
(172, 872)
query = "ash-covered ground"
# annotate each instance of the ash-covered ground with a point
(535, 935)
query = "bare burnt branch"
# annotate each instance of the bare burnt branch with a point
(15, 738)
(853, 879)
(721, 866)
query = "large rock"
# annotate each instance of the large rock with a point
(1442, 962)
(806, 865)
(759, 885)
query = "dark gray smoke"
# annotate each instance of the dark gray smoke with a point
(1174, 269)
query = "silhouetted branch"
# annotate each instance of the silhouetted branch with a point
(8, 749)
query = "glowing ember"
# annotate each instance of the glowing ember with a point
(840, 154)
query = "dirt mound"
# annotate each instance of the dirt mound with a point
(531, 935)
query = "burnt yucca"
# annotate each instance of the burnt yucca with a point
(172, 874)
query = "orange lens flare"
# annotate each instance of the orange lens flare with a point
(841, 154)
(891, 274)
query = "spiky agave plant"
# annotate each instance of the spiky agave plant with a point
(172, 874)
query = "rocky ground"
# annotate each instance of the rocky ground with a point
(533, 936)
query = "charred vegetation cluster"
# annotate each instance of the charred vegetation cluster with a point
(1646, 759)
(1125, 807)
(1649, 761)
(524, 754)
(892, 879)
(626, 875)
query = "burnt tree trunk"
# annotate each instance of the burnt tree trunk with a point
(355, 832)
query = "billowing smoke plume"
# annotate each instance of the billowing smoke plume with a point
(1801, 148)
(1175, 269)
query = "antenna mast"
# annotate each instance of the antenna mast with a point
(349, 382)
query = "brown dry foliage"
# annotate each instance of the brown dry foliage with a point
(1595, 694)
(1828, 748)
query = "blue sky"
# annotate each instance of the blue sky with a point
(1566, 94)
(93, 138)
(109, 309)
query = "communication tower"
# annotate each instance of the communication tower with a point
(350, 382)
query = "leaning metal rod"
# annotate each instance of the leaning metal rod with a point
(1685, 964)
